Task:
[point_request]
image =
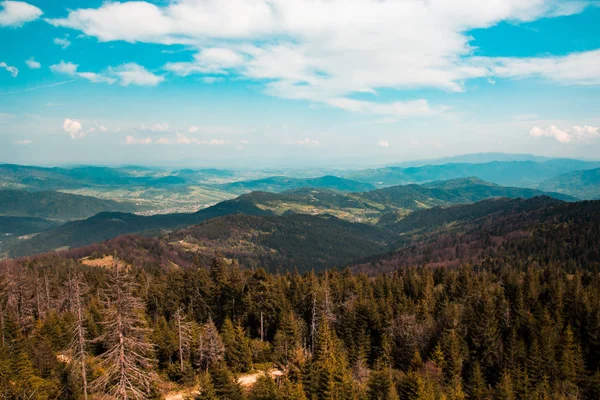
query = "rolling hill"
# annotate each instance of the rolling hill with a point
(583, 184)
(55, 205)
(282, 183)
(107, 225)
(367, 207)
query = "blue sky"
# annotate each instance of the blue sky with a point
(255, 83)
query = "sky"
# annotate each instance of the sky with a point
(298, 83)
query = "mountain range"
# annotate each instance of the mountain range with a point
(366, 207)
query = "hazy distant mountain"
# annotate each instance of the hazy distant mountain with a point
(55, 205)
(510, 173)
(583, 184)
(475, 158)
(282, 183)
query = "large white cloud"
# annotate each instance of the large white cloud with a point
(328, 50)
(17, 13)
(575, 133)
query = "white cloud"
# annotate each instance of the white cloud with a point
(163, 140)
(303, 142)
(23, 142)
(182, 139)
(155, 128)
(102, 128)
(127, 74)
(96, 78)
(73, 128)
(383, 143)
(12, 70)
(243, 141)
(193, 129)
(17, 13)
(575, 69)
(67, 68)
(399, 109)
(210, 60)
(575, 133)
(133, 140)
(62, 42)
(134, 74)
(32, 64)
(326, 51)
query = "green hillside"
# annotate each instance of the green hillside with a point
(55, 205)
(583, 184)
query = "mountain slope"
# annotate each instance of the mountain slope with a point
(55, 205)
(535, 229)
(291, 241)
(108, 225)
(583, 184)
(282, 183)
(16, 226)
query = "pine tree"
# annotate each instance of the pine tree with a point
(238, 354)
(505, 390)
(206, 390)
(78, 345)
(264, 389)
(127, 363)
(571, 364)
(380, 385)
(477, 388)
(225, 386)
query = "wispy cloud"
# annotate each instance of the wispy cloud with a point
(39, 87)
(13, 71)
(126, 74)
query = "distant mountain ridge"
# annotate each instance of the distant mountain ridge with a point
(353, 207)
(583, 184)
(283, 183)
(509, 173)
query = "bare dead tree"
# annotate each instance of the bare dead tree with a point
(210, 347)
(184, 335)
(128, 361)
(76, 287)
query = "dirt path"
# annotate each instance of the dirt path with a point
(249, 380)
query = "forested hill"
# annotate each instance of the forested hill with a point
(438, 237)
(109, 225)
(523, 322)
(55, 205)
(514, 231)
(367, 207)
